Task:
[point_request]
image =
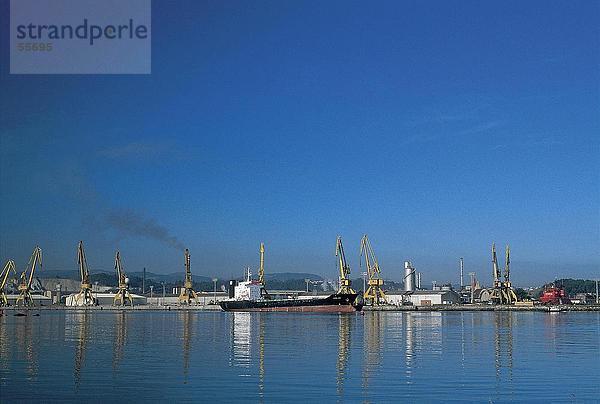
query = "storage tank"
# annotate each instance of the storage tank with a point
(409, 277)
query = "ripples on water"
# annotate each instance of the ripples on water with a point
(281, 357)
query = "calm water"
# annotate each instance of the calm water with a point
(280, 357)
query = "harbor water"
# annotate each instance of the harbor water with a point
(199, 356)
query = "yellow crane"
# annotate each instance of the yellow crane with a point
(85, 295)
(9, 266)
(27, 277)
(374, 293)
(261, 268)
(345, 282)
(501, 292)
(261, 273)
(123, 292)
(187, 291)
(510, 295)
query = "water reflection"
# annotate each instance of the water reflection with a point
(503, 351)
(120, 339)
(503, 342)
(4, 343)
(261, 355)
(243, 335)
(373, 342)
(409, 352)
(344, 325)
(188, 333)
(83, 329)
(26, 346)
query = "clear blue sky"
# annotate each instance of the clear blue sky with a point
(435, 127)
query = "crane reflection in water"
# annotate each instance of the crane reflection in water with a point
(373, 342)
(503, 351)
(188, 334)
(120, 339)
(4, 344)
(82, 320)
(25, 335)
(344, 327)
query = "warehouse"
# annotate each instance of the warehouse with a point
(424, 297)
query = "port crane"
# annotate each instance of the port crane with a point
(502, 292)
(374, 293)
(345, 282)
(27, 277)
(85, 295)
(261, 272)
(9, 266)
(187, 291)
(123, 282)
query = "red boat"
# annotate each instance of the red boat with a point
(555, 295)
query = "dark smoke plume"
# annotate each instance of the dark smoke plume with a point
(131, 223)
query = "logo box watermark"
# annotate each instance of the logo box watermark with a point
(80, 37)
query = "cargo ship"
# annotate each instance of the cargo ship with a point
(250, 296)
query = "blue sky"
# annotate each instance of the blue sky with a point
(435, 127)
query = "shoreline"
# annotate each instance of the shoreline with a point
(213, 308)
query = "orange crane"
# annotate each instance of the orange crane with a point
(123, 281)
(374, 293)
(27, 277)
(9, 266)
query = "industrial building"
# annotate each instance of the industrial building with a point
(102, 299)
(414, 296)
(424, 297)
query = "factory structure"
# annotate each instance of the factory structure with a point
(413, 295)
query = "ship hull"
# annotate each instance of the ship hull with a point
(336, 303)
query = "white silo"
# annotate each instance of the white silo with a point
(409, 277)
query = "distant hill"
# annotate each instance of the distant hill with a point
(287, 276)
(64, 274)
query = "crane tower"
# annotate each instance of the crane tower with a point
(345, 282)
(187, 291)
(501, 292)
(85, 296)
(27, 277)
(374, 293)
(9, 266)
(123, 282)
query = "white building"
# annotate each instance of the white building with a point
(424, 297)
